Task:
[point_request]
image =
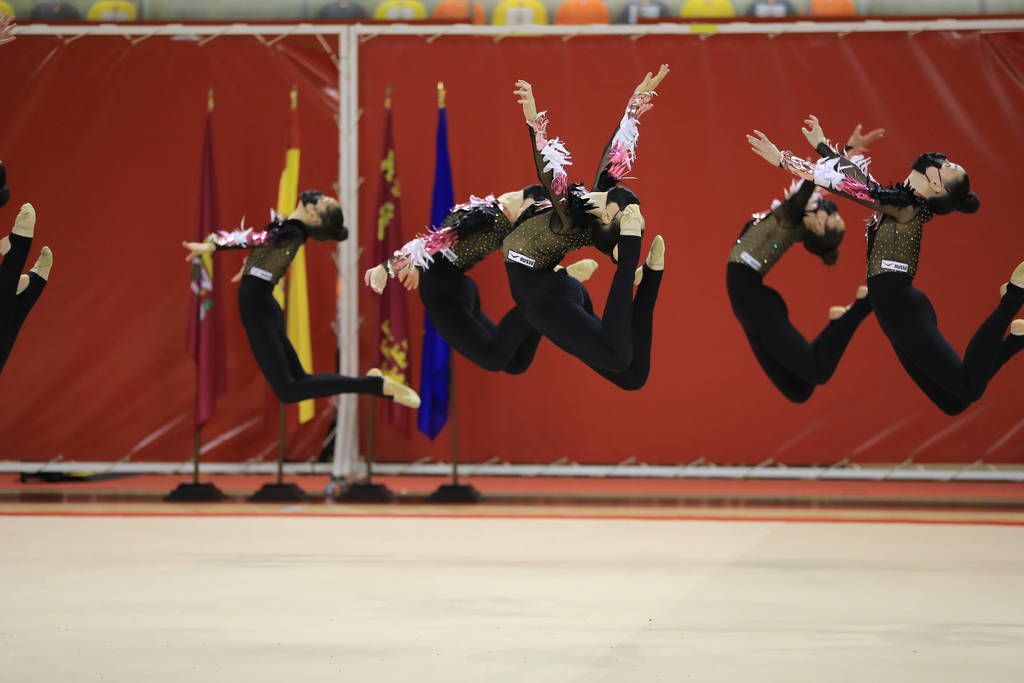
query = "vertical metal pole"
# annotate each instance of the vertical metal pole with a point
(454, 435)
(346, 440)
(196, 442)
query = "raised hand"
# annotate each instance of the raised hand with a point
(524, 95)
(765, 148)
(197, 249)
(650, 83)
(6, 29)
(813, 132)
(859, 141)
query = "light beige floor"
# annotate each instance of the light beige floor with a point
(518, 600)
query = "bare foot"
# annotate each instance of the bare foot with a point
(1017, 328)
(638, 276)
(862, 292)
(399, 393)
(23, 282)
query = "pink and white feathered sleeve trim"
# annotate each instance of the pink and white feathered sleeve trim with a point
(622, 154)
(476, 203)
(555, 154)
(243, 238)
(420, 252)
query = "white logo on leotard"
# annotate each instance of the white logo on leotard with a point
(516, 257)
(895, 266)
(750, 260)
(261, 274)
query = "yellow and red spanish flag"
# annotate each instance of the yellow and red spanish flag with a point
(393, 318)
(206, 315)
(296, 308)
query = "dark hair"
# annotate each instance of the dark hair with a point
(958, 197)
(623, 196)
(824, 246)
(605, 238)
(334, 221)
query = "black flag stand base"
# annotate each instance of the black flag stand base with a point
(455, 493)
(367, 492)
(195, 492)
(278, 492)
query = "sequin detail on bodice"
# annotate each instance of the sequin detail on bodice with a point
(533, 244)
(764, 243)
(895, 247)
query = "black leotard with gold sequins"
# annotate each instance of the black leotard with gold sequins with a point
(768, 236)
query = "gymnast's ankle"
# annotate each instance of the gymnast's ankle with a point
(837, 312)
(1017, 328)
(399, 393)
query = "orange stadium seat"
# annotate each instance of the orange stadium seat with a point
(582, 12)
(460, 9)
(400, 10)
(113, 10)
(707, 9)
(833, 8)
(519, 13)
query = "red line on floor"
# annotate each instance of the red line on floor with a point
(633, 518)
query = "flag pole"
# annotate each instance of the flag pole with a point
(366, 491)
(278, 491)
(454, 492)
(196, 491)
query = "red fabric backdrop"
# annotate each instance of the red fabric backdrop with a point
(105, 139)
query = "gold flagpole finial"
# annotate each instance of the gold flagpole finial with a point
(295, 96)
(441, 95)
(209, 99)
(387, 97)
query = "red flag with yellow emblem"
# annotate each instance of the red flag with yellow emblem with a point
(392, 353)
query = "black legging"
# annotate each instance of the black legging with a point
(793, 365)
(908, 319)
(554, 306)
(14, 307)
(452, 301)
(265, 327)
(634, 377)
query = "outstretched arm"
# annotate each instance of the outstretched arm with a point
(620, 153)
(550, 156)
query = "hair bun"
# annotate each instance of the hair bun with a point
(969, 204)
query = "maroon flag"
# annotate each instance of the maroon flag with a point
(206, 315)
(393, 319)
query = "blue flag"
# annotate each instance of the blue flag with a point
(435, 380)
